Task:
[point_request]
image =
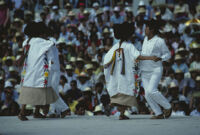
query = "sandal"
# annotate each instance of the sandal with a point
(66, 112)
(123, 117)
(22, 117)
(39, 115)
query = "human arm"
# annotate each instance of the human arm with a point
(165, 53)
(7, 18)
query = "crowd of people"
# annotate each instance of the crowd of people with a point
(83, 34)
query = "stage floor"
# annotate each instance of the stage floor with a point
(101, 125)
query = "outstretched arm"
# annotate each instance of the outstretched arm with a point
(154, 58)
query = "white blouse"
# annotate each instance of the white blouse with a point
(38, 66)
(117, 82)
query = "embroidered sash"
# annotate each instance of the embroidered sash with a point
(113, 60)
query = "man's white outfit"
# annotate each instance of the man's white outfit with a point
(151, 72)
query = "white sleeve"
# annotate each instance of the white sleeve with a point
(165, 53)
(134, 52)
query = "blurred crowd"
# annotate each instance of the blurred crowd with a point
(83, 33)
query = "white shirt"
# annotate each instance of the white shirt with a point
(34, 71)
(154, 47)
(83, 86)
(117, 82)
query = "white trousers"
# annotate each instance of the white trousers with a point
(150, 80)
(59, 106)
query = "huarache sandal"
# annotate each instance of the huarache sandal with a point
(22, 117)
(123, 117)
(39, 115)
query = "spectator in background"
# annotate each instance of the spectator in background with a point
(4, 15)
(180, 64)
(116, 18)
(73, 96)
(9, 107)
(83, 81)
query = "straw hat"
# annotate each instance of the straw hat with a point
(2, 2)
(79, 59)
(192, 70)
(106, 30)
(68, 67)
(11, 69)
(94, 60)
(99, 12)
(141, 10)
(17, 34)
(20, 50)
(71, 13)
(17, 20)
(178, 57)
(128, 9)
(116, 9)
(28, 12)
(89, 66)
(157, 13)
(181, 49)
(55, 7)
(194, 45)
(141, 3)
(69, 43)
(1, 78)
(179, 9)
(61, 40)
(12, 80)
(178, 71)
(173, 85)
(68, 5)
(72, 59)
(86, 12)
(197, 78)
(167, 28)
(87, 89)
(83, 74)
(96, 4)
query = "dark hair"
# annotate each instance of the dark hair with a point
(30, 29)
(124, 31)
(34, 29)
(99, 84)
(153, 25)
(62, 77)
(73, 81)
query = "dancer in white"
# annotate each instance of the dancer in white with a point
(151, 70)
(36, 75)
(118, 69)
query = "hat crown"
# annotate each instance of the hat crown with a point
(197, 78)
(178, 57)
(68, 67)
(87, 89)
(172, 85)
